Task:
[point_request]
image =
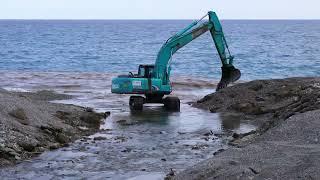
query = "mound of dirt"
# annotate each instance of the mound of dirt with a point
(286, 144)
(264, 101)
(29, 124)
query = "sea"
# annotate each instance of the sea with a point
(262, 49)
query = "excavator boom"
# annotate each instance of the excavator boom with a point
(173, 44)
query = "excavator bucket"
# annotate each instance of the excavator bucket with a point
(229, 74)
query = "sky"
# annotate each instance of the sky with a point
(158, 9)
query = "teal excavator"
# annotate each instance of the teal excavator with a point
(153, 81)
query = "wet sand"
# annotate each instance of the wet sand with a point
(31, 125)
(286, 143)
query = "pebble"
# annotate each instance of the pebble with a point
(233, 162)
(208, 133)
(47, 131)
(217, 152)
(163, 132)
(6, 149)
(89, 109)
(17, 157)
(54, 146)
(13, 153)
(106, 114)
(99, 138)
(82, 128)
(127, 150)
(122, 121)
(62, 138)
(258, 98)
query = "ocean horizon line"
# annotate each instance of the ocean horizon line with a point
(38, 19)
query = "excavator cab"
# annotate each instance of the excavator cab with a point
(145, 71)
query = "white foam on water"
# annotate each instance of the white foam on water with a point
(16, 89)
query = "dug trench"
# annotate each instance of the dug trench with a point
(285, 144)
(30, 124)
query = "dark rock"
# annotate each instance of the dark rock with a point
(28, 145)
(236, 135)
(62, 138)
(93, 119)
(206, 138)
(163, 159)
(2, 146)
(47, 131)
(213, 109)
(89, 109)
(62, 114)
(233, 163)
(54, 146)
(219, 151)
(83, 128)
(170, 175)
(127, 150)
(13, 153)
(122, 121)
(253, 170)
(99, 138)
(7, 150)
(54, 130)
(17, 158)
(106, 114)
(195, 147)
(249, 133)
(20, 115)
(121, 138)
(208, 133)
(256, 87)
(258, 98)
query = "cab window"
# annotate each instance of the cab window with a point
(141, 71)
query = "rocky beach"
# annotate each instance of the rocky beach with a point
(30, 124)
(286, 143)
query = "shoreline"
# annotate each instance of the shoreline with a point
(286, 142)
(31, 124)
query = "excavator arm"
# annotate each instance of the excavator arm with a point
(182, 38)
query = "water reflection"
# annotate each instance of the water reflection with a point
(229, 122)
(153, 114)
(233, 122)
